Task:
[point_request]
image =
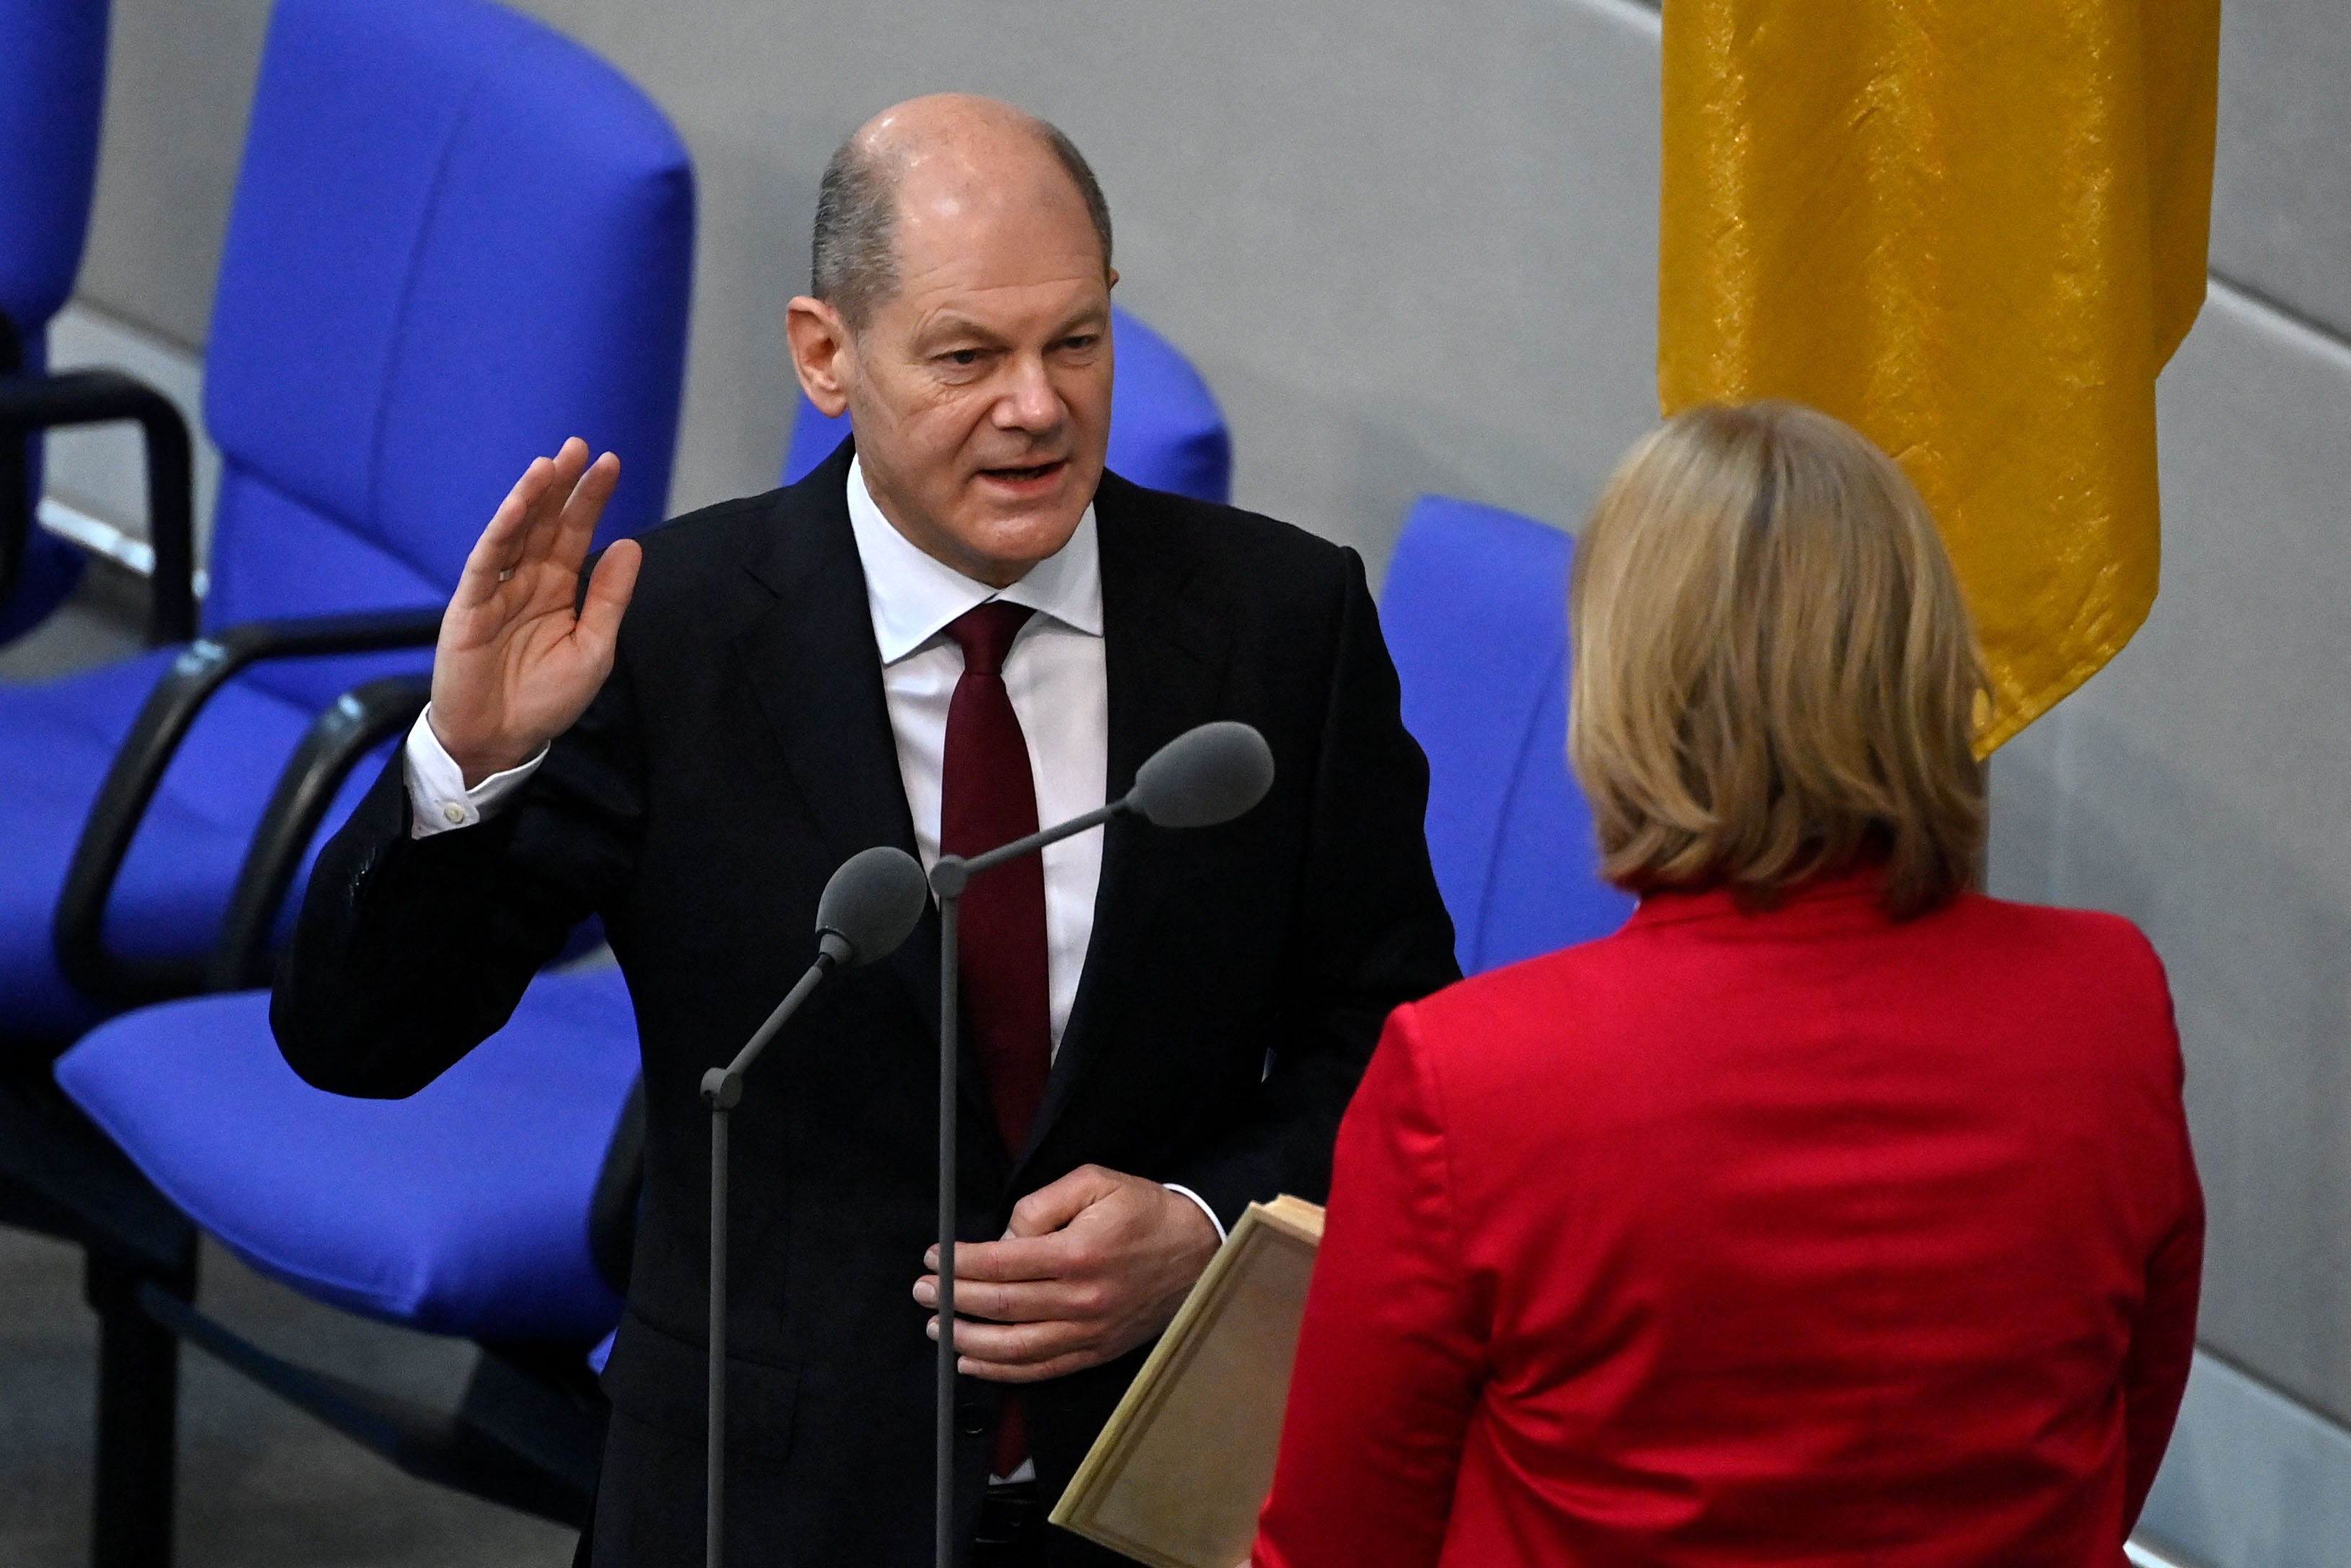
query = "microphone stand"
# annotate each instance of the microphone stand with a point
(949, 877)
(722, 1089)
(1210, 774)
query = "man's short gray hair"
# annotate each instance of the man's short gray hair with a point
(854, 262)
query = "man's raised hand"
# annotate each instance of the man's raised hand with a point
(515, 666)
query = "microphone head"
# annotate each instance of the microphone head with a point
(872, 904)
(1203, 777)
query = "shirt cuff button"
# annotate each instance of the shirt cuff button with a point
(452, 814)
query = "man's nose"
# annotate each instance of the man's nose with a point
(1028, 400)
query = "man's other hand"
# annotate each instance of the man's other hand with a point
(1093, 1265)
(516, 667)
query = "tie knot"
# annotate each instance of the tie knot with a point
(984, 635)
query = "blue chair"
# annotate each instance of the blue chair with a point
(392, 338)
(52, 87)
(461, 1210)
(1166, 431)
(1474, 611)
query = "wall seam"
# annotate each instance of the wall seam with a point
(2286, 318)
(1646, 14)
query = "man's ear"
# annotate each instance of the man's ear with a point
(822, 354)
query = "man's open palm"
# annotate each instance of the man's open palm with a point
(516, 667)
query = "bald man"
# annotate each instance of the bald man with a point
(959, 626)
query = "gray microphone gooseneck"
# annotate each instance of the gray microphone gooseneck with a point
(1206, 775)
(869, 907)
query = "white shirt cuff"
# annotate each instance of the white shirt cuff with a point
(1203, 1202)
(438, 799)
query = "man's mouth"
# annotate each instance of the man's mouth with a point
(1034, 474)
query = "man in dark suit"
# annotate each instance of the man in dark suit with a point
(956, 628)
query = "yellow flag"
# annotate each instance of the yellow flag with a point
(1974, 229)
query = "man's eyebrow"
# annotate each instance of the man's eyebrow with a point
(954, 324)
(951, 323)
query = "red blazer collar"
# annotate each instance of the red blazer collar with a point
(1832, 894)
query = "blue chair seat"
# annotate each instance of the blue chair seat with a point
(62, 737)
(460, 1210)
(1475, 609)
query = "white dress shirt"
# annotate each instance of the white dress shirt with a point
(1055, 674)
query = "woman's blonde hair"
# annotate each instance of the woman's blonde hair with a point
(1774, 674)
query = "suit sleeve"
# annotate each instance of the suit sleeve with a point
(410, 952)
(1391, 1356)
(1373, 933)
(2163, 1340)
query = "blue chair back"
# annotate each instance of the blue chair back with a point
(52, 84)
(1165, 430)
(1476, 616)
(457, 239)
(52, 91)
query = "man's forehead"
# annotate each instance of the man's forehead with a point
(949, 122)
(958, 186)
(966, 235)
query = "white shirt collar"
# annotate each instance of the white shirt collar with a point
(912, 595)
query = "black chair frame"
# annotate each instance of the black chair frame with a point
(32, 403)
(529, 1432)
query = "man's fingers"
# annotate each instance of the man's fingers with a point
(1018, 1345)
(1053, 1206)
(1029, 1301)
(608, 587)
(1032, 1258)
(501, 544)
(574, 528)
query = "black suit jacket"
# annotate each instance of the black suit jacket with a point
(741, 749)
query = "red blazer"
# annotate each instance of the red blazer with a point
(1798, 1236)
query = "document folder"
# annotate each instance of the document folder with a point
(1177, 1477)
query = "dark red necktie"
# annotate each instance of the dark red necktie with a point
(987, 796)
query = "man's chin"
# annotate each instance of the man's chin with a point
(1012, 536)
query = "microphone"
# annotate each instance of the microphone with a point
(1207, 775)
(1203, 777)
(869, 907)
(1210, 774)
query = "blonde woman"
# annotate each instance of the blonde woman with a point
(1831, 1211)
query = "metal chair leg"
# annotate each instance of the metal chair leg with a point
(137, 1416)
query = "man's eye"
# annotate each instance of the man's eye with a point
(1081, 343)
(965, 357)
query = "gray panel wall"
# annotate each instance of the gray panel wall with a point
(2197, 785)
(1412, 248)
(2282, 204)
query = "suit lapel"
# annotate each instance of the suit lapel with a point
(814, 665)
(816, 671)
(1166, 650)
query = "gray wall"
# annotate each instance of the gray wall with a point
(1413, 248)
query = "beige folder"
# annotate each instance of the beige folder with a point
(1177, 1477)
